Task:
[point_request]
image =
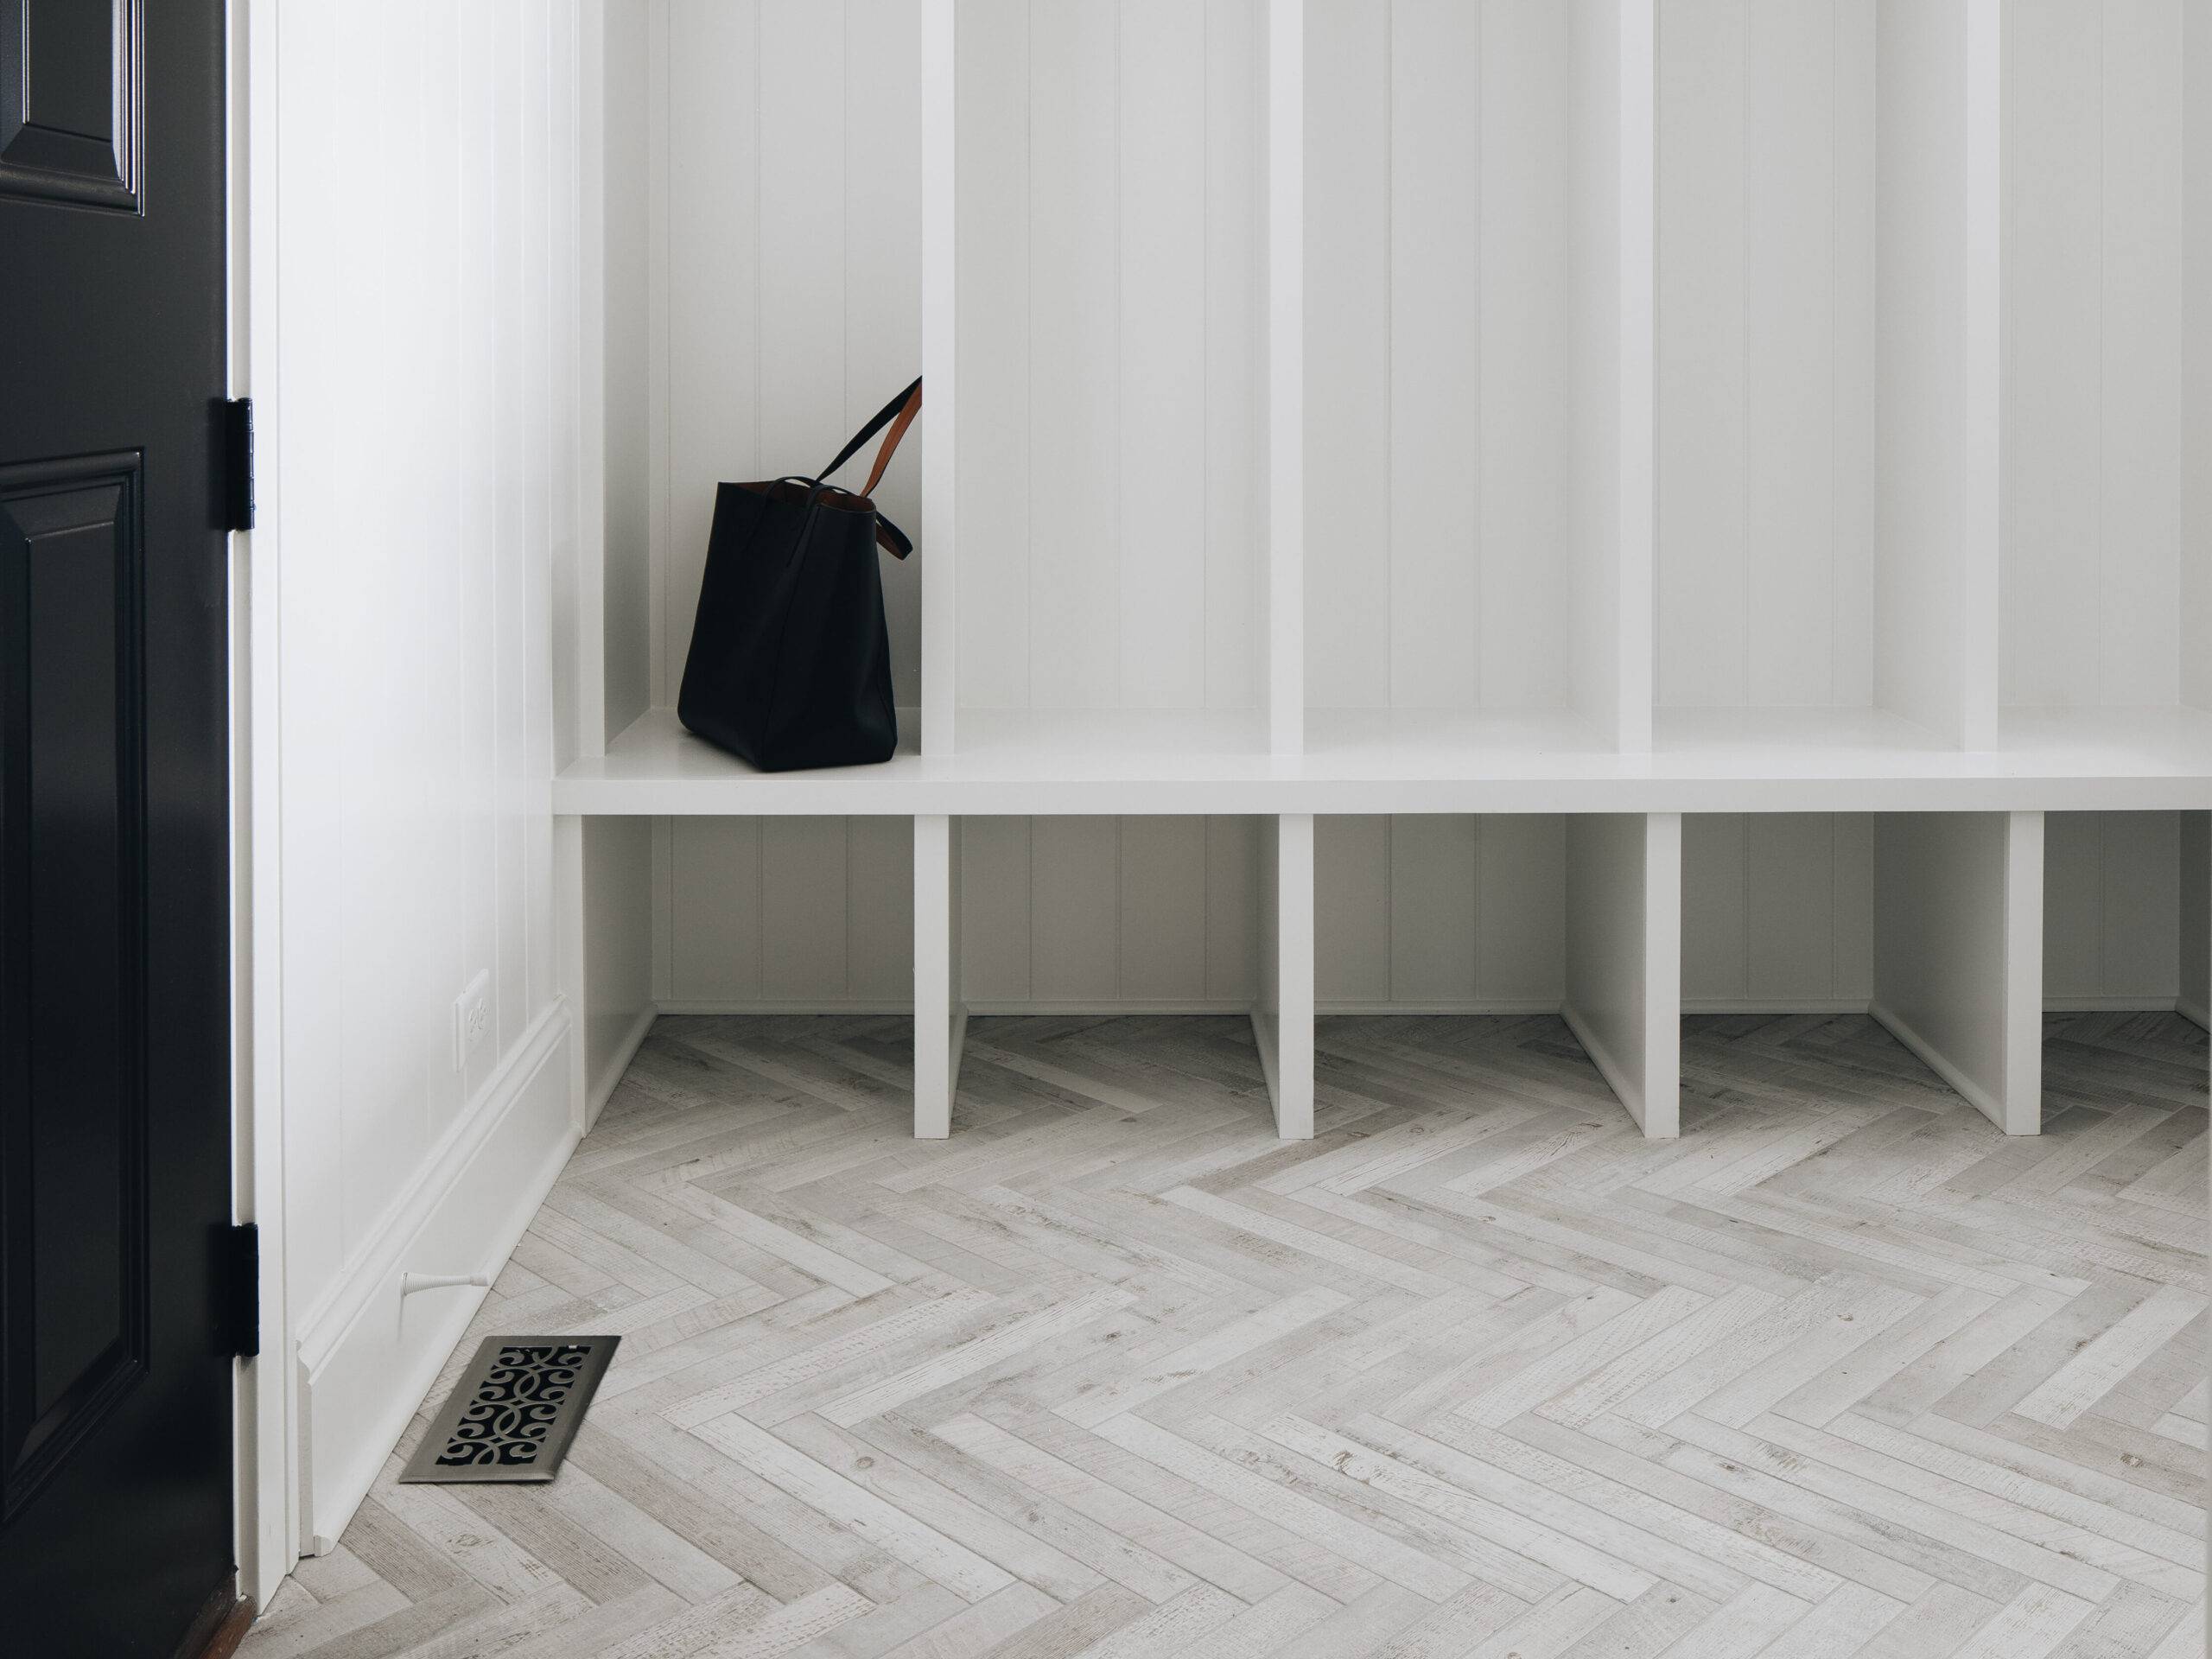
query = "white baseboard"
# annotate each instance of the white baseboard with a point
(1503, 1007)
(1095, 1010)
(1085, 1009)
(1974, 1093)
(1775, 1005)
(366, 1355)
(680, 1005)
(2195, 1011)
(2111, 1005)
(1616, 1076)
(617, 1063)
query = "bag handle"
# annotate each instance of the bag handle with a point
(898, 414)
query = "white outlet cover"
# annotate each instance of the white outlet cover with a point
(472, 1018)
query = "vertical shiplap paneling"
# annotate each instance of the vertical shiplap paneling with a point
(883, 297)
(2112, 909)
(1233, 918)
(1766, 343)
(1074, 909)
(2054, 159)
(1075, 272)
(710, 384)
(1437, 198)
(1438, 241)
(803, 895)
(1162, 923)
(1524, 78)
(713, 922)
(992, 334)
(1716, 963)
(2195, 609)
(880, 910)
(2141, 901)
(1160, 510)
(1108, 225)
(1352, 909)
(1777, 911)
(1853, 214)
(1520, 910)
(1609, 440)
(1919, 624)
(1234, 300)
(1789, 352)
(1349, 527)
(995, 910)
(1791, 915)
(2142, 316)
(1439, 913)
(1702, 318)
(801, 80)
(1432, 917)
(2095, 302)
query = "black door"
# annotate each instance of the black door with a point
(115, 1179)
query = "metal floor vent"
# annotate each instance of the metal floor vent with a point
(514, 1411)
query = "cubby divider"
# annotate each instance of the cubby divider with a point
(2193, 995)
(1624, 957)
(1958, 953)
(940, 1014)
(1282, 1012)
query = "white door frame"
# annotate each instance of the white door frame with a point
(266, 1441)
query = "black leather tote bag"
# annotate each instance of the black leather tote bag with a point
(790, 664)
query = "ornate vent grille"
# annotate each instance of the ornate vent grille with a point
(515, 1410)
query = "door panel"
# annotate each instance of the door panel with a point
(69, 103)
(115, 1140)
(75, 1337)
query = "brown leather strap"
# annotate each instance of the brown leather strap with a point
(906, 413)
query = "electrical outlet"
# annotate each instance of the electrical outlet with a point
(472, 1019)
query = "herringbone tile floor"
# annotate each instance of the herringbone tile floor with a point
(1477, 1371)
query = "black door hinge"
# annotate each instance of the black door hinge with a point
(238, 436)
(245, 1336)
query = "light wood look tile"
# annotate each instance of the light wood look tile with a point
(1476, 1370)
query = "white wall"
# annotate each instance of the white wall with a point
(1460, 357)
(1109, 308)
(421, 405)
(1767, 233)
(785, 283)
(1777, 911)
(1440, 912)
(2197, 356)
(2113, 906)
(628, 200)
(2096, 327)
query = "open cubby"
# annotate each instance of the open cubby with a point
(1108, 174)
(1823, 569)
(2106, 249)
(1463, 252)
(1931, 922)
(1619, 507)
(1508, 915)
